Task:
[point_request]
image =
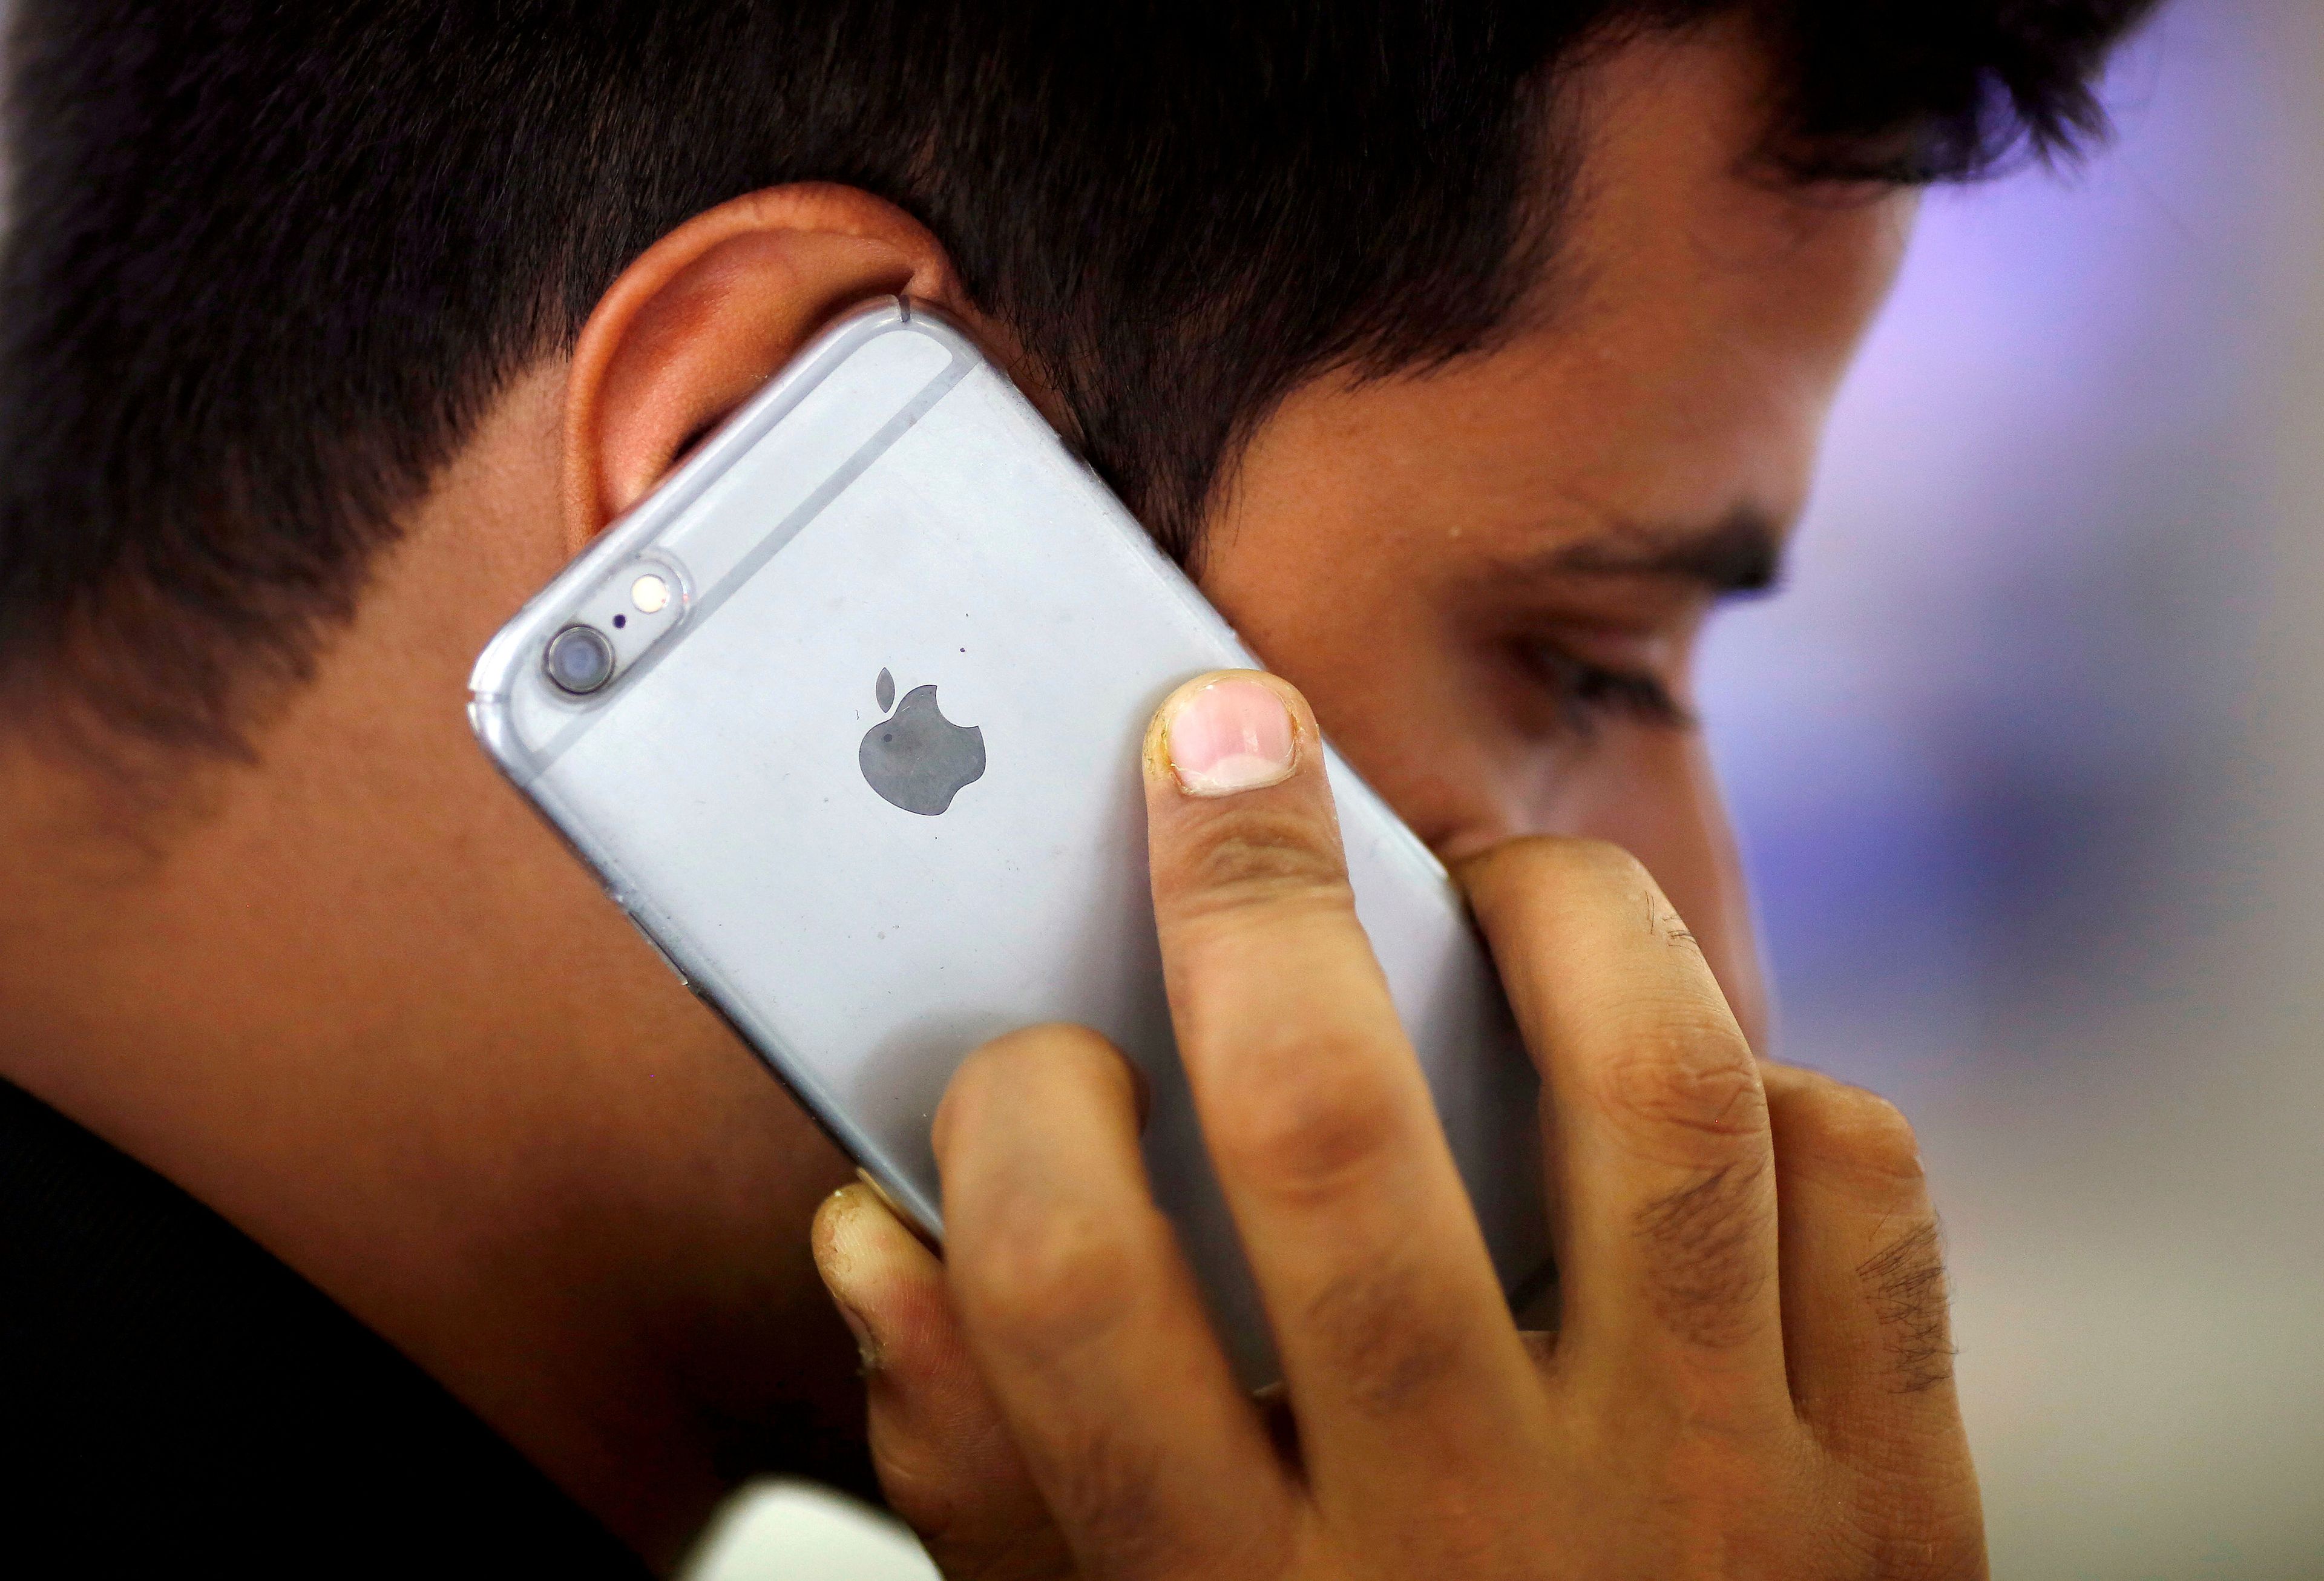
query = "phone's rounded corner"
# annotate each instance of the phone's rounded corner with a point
(492, 720)
(494, 670)
(491, 686)
(926, 318)
(886, 315)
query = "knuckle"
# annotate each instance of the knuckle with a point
(1372, 1326)
(1105, 1489)
(1684, 1083)
(1259, 854)
(1695, 1101)
(1043, 1280)
(1916, 1522)
(1301, 1127)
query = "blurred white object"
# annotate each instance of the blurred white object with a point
(794, 1532)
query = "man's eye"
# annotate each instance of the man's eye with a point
(1590, 693)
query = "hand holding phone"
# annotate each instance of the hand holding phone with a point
(1750, 1375)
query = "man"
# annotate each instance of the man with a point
(1465, 359)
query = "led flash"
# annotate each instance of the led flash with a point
(649, 593)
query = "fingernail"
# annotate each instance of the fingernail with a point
(843, 1253)
(1231, 735)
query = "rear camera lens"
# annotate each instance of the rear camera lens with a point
(579, 659)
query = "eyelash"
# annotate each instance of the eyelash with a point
(1591, 694)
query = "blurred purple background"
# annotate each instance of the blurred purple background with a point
(2029, 763)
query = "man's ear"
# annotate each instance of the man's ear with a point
(708, 313)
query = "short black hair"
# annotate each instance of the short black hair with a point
(270, 260)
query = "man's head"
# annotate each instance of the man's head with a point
(270, 264)
(1465, 353)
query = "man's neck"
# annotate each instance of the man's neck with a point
(355, 998)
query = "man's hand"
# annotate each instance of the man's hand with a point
(1750, 1374)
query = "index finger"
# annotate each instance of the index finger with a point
(1397, 1347)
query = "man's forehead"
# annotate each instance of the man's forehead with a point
(1673, 193)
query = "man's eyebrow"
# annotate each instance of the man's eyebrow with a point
(1743, 552)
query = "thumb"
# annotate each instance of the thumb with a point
(944, 1455)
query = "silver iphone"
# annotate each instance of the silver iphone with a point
(846, 715)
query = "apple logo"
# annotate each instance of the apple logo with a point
(915, 757)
